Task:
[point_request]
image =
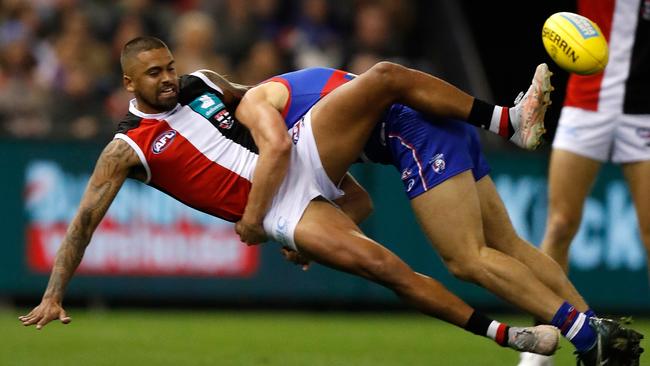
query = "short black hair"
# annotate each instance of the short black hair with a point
(137, 45)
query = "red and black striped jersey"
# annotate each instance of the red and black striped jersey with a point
(197, 152)
(624, 86)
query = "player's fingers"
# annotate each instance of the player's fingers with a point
(31, 320)
(27, 318)
(41, 323)
(293, 257)
(28, 315)
(64, 318)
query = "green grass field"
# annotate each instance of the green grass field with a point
(163, 337)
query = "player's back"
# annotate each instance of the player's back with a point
(308, 86)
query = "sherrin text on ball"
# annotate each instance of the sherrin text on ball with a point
(575, 43)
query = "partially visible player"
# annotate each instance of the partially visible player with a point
(605, 117)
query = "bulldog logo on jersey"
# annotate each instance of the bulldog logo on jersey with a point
(162, 142)
(438, 163)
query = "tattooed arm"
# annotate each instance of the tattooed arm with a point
(112, 168)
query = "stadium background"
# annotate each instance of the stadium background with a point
(61, 96)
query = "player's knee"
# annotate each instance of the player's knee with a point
(389, 75)
(464, 268)
(562, 227)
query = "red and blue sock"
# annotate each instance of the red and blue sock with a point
(575, 327)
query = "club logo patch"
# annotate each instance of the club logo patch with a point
(224, 119)
(162, 142)
(438, 163)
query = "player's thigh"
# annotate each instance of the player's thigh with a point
(638, 178)
(329, 237)
(570, 179)
(499, 232)
(450, 216)
(343, 120)
(497, 226)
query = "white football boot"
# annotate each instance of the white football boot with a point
(527, 116)
(540, 339)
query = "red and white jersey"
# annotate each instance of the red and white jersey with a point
(624, 86)
(197, 152)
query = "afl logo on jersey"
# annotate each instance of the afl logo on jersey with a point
(163, 141)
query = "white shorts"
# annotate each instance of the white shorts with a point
(305, 180)
(604, 136)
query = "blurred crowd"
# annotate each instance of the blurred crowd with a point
(59, 59)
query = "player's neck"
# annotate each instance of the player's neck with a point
(149, 109)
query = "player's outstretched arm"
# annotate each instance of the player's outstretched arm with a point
(112, 168)
(259, 110)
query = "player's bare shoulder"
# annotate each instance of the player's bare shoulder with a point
(119, 158)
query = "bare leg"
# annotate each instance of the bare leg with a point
(343, 120)
(500, 235)
(638, 178)
(329, 237)
(570, 179)
(450, 215)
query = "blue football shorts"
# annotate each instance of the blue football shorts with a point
(427, 151)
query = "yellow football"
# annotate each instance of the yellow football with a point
(575, 43)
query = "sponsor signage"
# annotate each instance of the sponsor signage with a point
(608, 237)
(144, 232)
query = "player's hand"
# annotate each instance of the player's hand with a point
(296, 258)
(250, 233)
(44, 313)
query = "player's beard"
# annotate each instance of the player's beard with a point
(167, 104)
(160, 104)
